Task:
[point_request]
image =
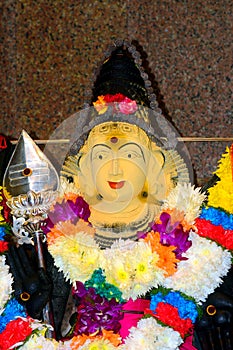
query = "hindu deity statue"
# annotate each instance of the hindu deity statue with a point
(128, 262)
(124, 177)
(124, 170)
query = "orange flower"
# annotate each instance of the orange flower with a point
(70, 196)
(79, 340)
(100, 105)
(178, 216)
(167, 258)
(114, 338)
(69, 229)
(53, 234)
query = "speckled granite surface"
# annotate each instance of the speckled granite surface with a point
(49, 50)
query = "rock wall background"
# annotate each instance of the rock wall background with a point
(49, 50)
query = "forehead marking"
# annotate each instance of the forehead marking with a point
(114, 139)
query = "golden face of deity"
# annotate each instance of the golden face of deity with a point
(115, 165)
(119, 168)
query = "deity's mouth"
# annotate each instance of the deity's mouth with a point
(116, 185)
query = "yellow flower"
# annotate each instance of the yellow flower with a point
(221, 195)
(100, 105)
(120, 277)
(1, 217)
(77, 255)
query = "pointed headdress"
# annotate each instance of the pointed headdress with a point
(123, 92)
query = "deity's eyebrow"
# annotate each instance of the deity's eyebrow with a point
(135, 144)
(101, 144)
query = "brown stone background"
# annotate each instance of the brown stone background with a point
(49, 50)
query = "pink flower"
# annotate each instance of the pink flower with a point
(128, 106)
(118, 102)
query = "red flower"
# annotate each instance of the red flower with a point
(216, 233)
(114, 98)
(16, 331)
(3, 246)
(169, 315)
(118, 102)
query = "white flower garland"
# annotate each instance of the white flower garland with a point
(6, 283)
(77, 256)
(149, 335)
(203, 271)
(186, 199)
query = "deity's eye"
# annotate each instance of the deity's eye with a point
(130, 155)
(100, 154)
(131, 151)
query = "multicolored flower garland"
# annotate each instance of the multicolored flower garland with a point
(118, 103)
(177, 267)
(165, 256)
(216, 219)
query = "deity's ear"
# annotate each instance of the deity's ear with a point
(159, 182)
(85, 179)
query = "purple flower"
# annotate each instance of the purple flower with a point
(95, 312)
(172, 234)
(80, 208)
(67, 210)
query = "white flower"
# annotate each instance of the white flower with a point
(202, 272)
(37, 342)
(187, 199)
(67, 187)
(149, 335)
(6, 283)
(131, 266)
(98, 344)
(77, 256)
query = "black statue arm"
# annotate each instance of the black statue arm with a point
(214, 330)
(31, 286)
(34, 288)
(59, 295)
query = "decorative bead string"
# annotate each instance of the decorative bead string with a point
(183, 139)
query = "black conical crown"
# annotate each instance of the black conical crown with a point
(120, 74)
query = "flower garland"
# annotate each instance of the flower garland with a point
(150, 335)
(15, 332)
(118, 103)
(70, 239)
(91, 308)
(172, 264)
(216, 219)
(78, 256)
(6, 283)
(170, 255)
(166, 256)
(221, 195)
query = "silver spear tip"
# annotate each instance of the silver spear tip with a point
(28, 170)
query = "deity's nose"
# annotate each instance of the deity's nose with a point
(115, 168)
